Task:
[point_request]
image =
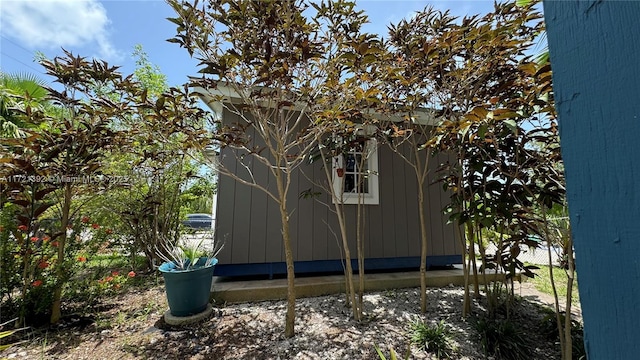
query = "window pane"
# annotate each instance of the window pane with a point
(363, 184)
(364, 187)
(349, 183)
(351, 163)
(356, 166)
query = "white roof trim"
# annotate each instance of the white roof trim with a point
(225, 93)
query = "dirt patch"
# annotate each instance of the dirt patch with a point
(131, 327)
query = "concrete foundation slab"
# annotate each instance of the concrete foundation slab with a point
(186, 320)
(229, 290)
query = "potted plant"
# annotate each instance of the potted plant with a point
(188, 273)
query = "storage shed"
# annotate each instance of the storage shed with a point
(249, 222)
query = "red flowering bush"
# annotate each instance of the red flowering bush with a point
(25, 274)
(30, 265)
(113, 282)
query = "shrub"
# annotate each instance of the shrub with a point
(10, 274)
(29, 255)
(433, 338)
(502, 339)
(549, 329)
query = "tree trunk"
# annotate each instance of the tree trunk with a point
(60, 272)
(568, 341)
(556, 302)
(466, 303)
(349, 286)
(360, 250)
(476, 281)
(351, 293)
(289, 330)
(290, 319)
(25, 277)
(423, 250)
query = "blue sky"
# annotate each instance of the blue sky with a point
(109, 29)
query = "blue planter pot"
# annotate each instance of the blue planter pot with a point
(188, 291)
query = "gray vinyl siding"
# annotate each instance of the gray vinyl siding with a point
(249, 221)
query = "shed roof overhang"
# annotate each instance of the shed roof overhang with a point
(224, 93)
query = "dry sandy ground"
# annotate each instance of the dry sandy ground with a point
(131, 327)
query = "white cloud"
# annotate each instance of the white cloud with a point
(52, 24)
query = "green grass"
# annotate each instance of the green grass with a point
(114, 260)
(542, 282)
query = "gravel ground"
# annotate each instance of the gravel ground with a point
(131, 327)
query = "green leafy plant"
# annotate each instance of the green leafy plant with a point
(187, 254)
(488, 98)
(434, 339)
(503, 339)
(392, 353)
(17, 93)
(10, 279)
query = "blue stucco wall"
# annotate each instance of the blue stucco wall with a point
(595, 55)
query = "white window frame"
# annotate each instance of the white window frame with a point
(373, 196)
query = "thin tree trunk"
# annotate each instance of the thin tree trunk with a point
(423, 250)
(476, 282)
(350, 288)
(25, 278)
(556, 300)
(360, 248)
(466, 302)
(56, 312)
(351, 293)
(290, 318)
(568, 341)
(421, 174)
(497, 287)
(421, 170)
(471, 235)
(26, 264)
